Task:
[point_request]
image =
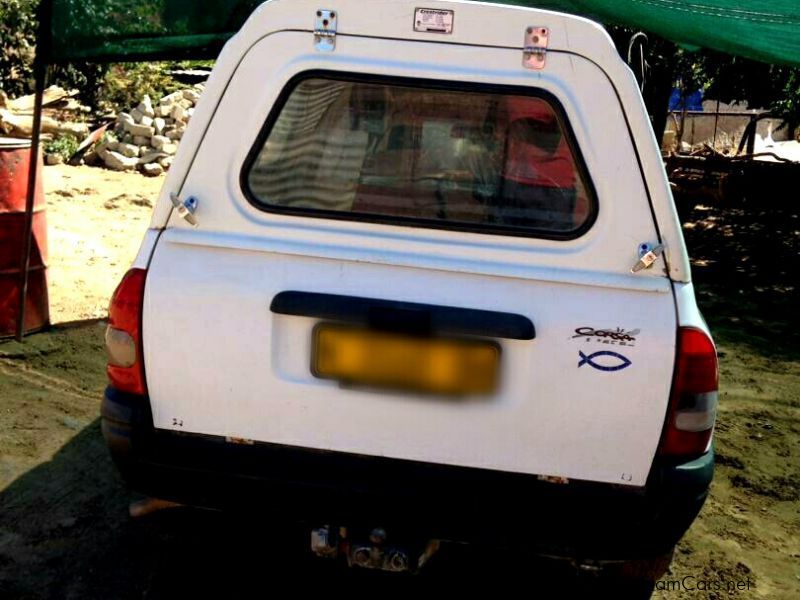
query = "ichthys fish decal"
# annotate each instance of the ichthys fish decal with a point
(621, 362)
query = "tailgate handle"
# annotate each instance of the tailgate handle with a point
(400, 320)
(408, 317)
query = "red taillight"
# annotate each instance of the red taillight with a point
(124, 334)
(693, 401)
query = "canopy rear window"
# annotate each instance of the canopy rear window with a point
(430, 156)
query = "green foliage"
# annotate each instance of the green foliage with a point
(116, 19)
(718, 75)
(124, 84)
(65, 145)
(193, 64)
(79, 19)
(18, 24)
(788, 105)
(17, 45)
(101, 87)
(773, 87)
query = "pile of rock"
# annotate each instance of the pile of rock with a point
(147, 138)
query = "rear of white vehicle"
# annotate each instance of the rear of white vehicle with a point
(408, 280)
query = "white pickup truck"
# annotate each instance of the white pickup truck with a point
(417, 267)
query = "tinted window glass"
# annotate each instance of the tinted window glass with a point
(435, 157)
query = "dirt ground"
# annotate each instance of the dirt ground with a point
(64, 530)
(96, 219)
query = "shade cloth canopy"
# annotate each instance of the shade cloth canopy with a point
(119, 30)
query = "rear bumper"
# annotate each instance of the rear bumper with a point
(580, 520)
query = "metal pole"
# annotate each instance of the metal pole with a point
(751, 141)
(40, 75)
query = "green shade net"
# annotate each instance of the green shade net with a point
(118, 30)
(766, 30)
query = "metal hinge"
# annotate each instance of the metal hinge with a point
(186, 208)
(534, 50)
(325, 31)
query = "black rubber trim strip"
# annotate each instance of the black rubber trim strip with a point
(404, 316)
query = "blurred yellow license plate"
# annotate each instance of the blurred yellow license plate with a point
(358, 356)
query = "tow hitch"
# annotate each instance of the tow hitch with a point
(372, 553)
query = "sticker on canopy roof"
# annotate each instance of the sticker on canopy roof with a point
(433, 20)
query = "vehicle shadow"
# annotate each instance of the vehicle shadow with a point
(65, 533)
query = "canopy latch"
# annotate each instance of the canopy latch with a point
(186, 208)
(325, 31)
(534, 50)
(648, 254)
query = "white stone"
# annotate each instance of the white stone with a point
(178, 113)
(191, 95)
(146, 107)
(163, 110)
(159, 124)
(125, 118)
(128, 150)
(152, 169)
(142, 130)
(53, 159)
(141, 140)
(165, 162)
(118, 162)
(171, 98)
(137, 115)
(159, 141)
(147, 121)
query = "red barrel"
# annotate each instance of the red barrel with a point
(14, 163)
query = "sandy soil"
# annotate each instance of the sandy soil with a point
(96, 220)
(64, 530)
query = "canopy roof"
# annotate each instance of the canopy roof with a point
(119, 30)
